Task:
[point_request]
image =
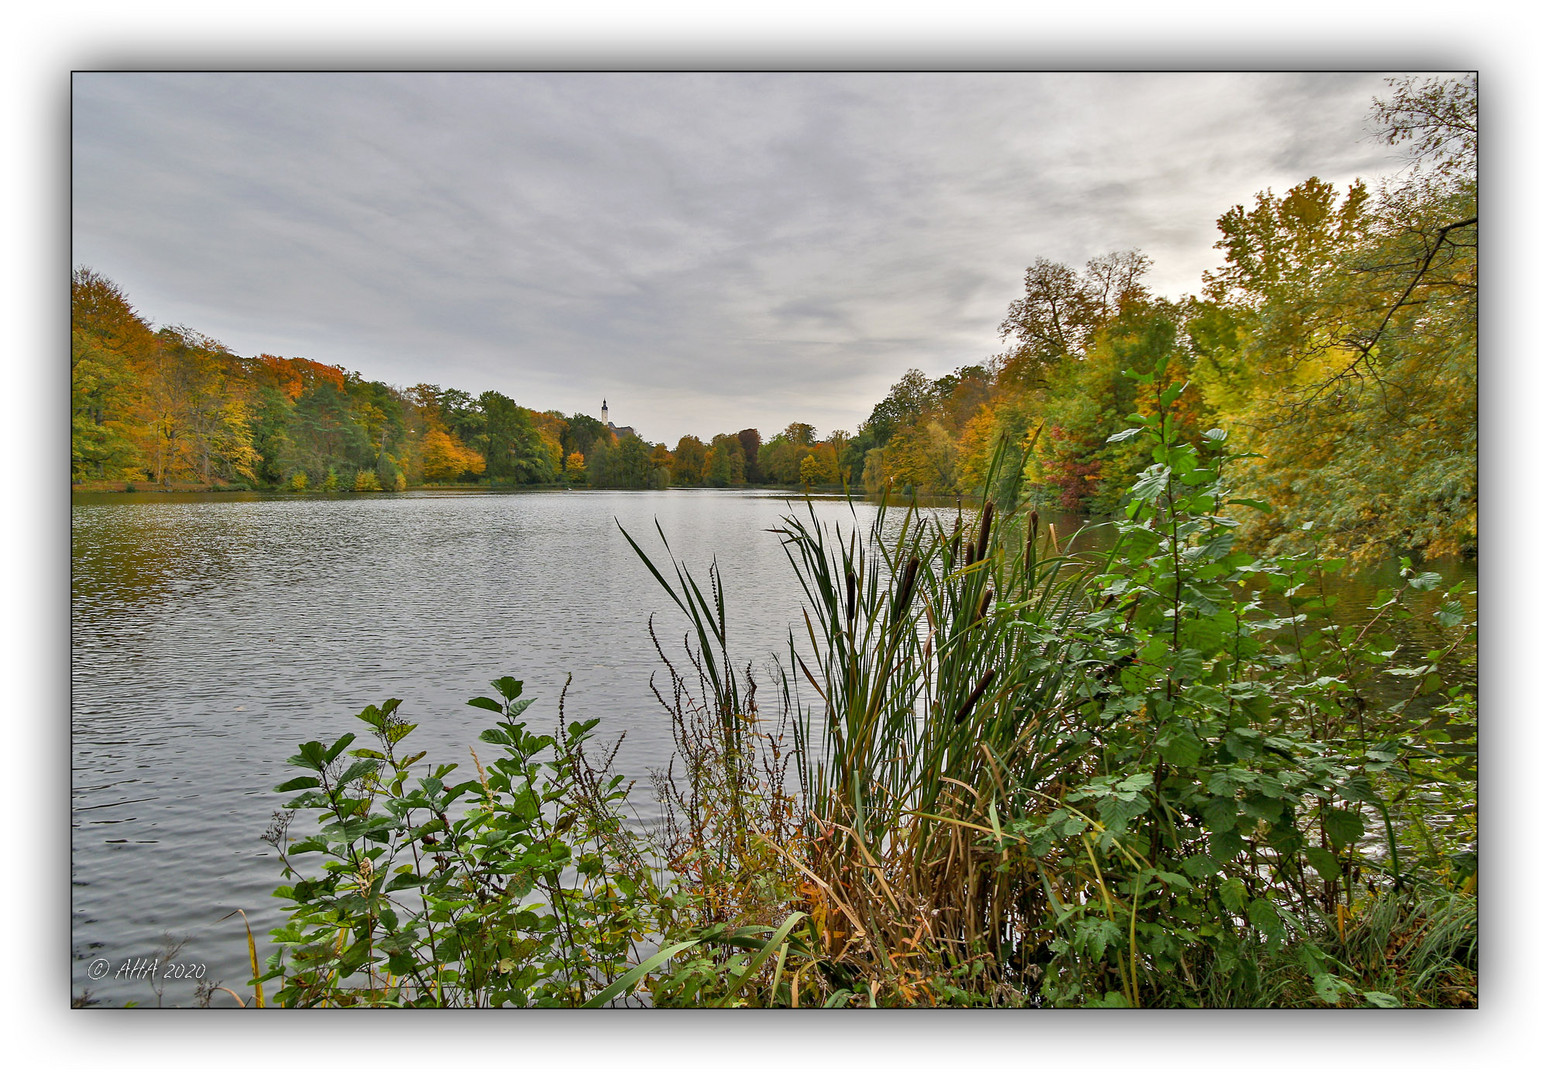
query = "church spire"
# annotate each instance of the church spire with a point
(604, 410)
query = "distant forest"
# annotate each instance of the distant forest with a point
(1336, 343)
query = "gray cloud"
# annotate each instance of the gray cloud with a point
(709, 252)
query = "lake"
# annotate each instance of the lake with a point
(212, 633)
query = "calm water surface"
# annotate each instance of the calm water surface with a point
(212, 633)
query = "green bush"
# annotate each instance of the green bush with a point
(520, 887)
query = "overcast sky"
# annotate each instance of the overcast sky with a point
(708, 252)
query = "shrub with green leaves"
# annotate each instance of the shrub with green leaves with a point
(1232, 767)
(522, 886)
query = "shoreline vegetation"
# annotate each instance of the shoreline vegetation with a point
(991, 773)
(990, 770)
(129, 487)
(1337, 341)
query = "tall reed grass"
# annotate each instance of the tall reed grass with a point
(926, 697)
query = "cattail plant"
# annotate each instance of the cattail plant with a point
(928, 696)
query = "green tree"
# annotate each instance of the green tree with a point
(582, 433)
(325, 434)
(779, 459)
(906, 402)
(725, 463)
(515, 449)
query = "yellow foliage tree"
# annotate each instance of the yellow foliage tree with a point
(447, 459)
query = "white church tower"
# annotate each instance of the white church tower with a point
(605, 411)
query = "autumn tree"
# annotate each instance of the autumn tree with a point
(825, 465)
(688, 461)
(661, 457)
(109, 342)
(1361, 325)
(923, 457)
(962, 393)
(1087, 399)
(447, 459)
(100, 403)
(811, 471)
(1059, 311)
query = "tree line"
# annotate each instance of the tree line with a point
(172, 407)
(1337, 340)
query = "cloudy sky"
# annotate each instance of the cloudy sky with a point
(708, 252)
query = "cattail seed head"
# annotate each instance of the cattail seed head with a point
(984, 528)
(973, 698)
(906, 588)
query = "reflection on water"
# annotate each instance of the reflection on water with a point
(212, 633)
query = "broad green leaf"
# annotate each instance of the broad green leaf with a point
(1450, 613)
(1324, 862)
(1262, 914)
(338, 747)
(1152, 483)
(358, 769)
(1199, 867)
(1234, 894)
(1328, 988)
(1220, 814)
(1182, 749)
(1343, 827)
